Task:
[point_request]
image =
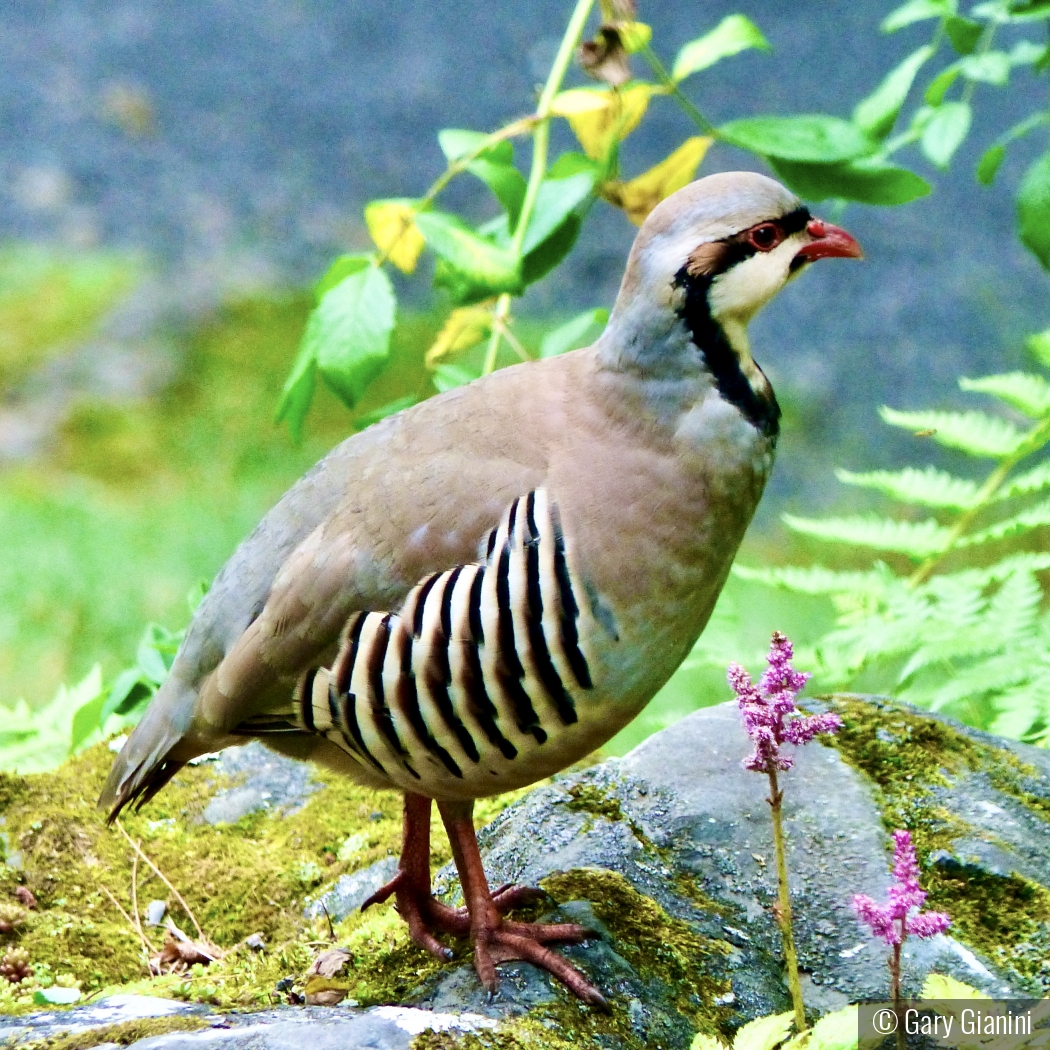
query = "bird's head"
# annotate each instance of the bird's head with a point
(714, 253)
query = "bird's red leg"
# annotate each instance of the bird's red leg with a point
(496, 940)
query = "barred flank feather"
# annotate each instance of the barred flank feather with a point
(482, 662)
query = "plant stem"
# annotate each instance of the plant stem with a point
(895, 990)
(776, 796)
(672, 88)
(540, 122)
(1037, 437)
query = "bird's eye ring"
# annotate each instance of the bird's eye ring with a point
(764, 237)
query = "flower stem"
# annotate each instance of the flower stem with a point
(776, 796)
(895, 990)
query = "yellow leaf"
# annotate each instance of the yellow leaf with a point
(634, 35)
(465, 327)
(706, 1042)
(599, 117)
(392, 224)
(763, 1033)
(639, 196)
(941, 986)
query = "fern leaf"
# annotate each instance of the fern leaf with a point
(1027, 561)
(916, 539)
(1034, 480)
(975, 433)
(1033, 518)
(812, 580)
(1015, 606)
(1027, 393)
(930, 487)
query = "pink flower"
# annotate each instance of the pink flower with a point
(894, 921)
(766, 709)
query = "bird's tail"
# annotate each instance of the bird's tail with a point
(147, 760)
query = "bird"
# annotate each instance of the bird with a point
(471, 595)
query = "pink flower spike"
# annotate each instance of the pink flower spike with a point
(769, 712)
(928, 924)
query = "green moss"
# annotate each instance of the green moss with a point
(908, 757)
(123, 1034)
(588, 798)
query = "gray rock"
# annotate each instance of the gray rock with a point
(266, 781)
(351, 891)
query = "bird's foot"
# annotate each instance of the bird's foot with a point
(426, 916)
(506, 941)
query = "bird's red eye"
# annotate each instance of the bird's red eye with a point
(765, 237)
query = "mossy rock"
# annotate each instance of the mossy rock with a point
(666, 854)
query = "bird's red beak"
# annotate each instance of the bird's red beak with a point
(829, 242)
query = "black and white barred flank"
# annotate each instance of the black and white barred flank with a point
(483, 661)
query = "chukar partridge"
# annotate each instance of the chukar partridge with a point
(478, 591)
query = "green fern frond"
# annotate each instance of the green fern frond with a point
(975, 433)
(1034, 480)
(1023, 712)
(1015, 607)
(930, 487)
(916, 539)
(1033, 518)
(1027, 393)
(981, 680)
(1026, 561)
(813, 580)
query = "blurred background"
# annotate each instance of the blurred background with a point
(175, 175)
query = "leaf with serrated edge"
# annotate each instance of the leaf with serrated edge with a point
(349, 332)
(733, 34)
(941, 986)
(915, 11)
(464, 328)
(945, 132)
(477, 259)
(1027, 393)
(392, 226)
(929, 487)
(555, 200)
(597, 117)
(1033, 480)
(916, 539)
(1033, 210)
(703, 1041)
(1036, 517)
(764, 1033)
(879, 184)
(878, 112)
(973, 432)
(835, 1031)
(815, 138)
(812, 580)
(639, 196)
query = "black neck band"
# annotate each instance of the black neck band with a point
(759, 410)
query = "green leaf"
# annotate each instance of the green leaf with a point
(348, 335)
(1039, 347)
(87, 719)
(1027, 393)
(916, 11)
(938, 87)
(446, 377)
(945, 132)
(877, 114)
(195, 595)
(916, 539)
(56, 996)
(929, 487)
(298, 390)
(505, 181)
(1033, 210)
(342, 268)
(964, 33)
(733, 34)
(556, 199)
(150, 663)
(479, 261)
(540, 261)
(835, 1031)
(993, 67)
(814, 579)
(1026, 53)
(1034, 480)
(988, 165)
(389, 409)
(764, 1033)
(128, 691)
(458, 142)
(975, 433)
(582, 330)
(868, 183)
(814, 138)
(1036, 517)
(1019, 11)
